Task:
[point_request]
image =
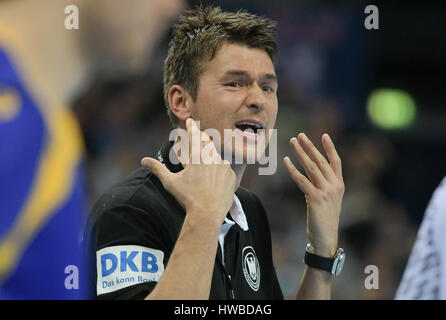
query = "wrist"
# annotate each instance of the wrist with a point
(323, 251)
(332, 263)
(199, 216)
(199, 231)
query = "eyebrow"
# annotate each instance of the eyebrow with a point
(241, 73)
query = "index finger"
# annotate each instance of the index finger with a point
(194, 141)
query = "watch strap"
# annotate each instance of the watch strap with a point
(319, 262)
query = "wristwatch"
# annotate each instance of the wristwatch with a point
(333, 265)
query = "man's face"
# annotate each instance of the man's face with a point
(238, 91)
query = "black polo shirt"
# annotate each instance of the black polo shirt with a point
(134, 226)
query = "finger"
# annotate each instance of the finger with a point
(203, 149)
(181, 152)
(209, 154)
(301, 181)
(317, 157)
(158, 169)
(209, 149)
(194, 141)
(311, 168)
(332, 154)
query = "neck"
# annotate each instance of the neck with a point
(40, 26)
(239, 170)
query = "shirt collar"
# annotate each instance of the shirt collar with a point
(237, 214)
(166, 154)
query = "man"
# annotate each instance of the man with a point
(424, 277)
(42, 189)
(185, 229)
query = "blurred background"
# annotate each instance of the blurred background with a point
(378, 93)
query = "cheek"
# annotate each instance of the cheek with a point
(272, 114)
(221, 106)
(230, 101)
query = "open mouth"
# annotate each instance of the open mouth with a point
(249, 126)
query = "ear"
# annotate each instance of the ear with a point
(180, 102)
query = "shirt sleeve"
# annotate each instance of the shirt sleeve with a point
(129, 251)
(423, 277)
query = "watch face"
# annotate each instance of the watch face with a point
(339, 262)
(308, 248)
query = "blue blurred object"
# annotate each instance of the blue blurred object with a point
(42, 192)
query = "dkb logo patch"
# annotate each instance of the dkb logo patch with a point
(122, 266)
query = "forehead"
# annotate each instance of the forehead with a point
(239, 57)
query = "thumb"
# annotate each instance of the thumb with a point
(157, 168)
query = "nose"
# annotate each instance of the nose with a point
(256, 98)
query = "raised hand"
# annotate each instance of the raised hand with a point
(324, 188)
(206, 190)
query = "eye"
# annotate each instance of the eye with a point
(267, 89)
(233, 84)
